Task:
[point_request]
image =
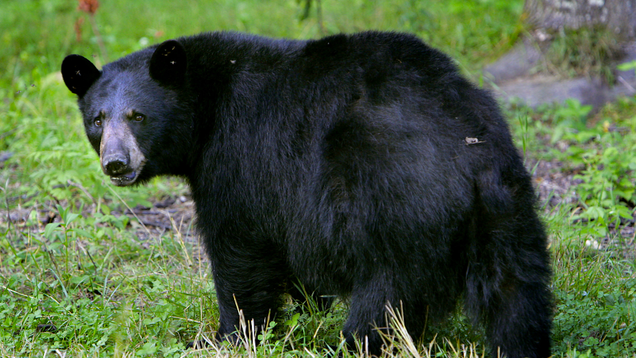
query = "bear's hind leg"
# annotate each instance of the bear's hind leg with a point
(518, 322)
(508, 291)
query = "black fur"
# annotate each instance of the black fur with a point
(360, 165)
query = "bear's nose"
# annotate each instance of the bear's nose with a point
(116, 165)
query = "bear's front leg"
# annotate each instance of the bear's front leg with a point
(248, 282)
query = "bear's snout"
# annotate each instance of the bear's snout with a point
(116, 164)
(121, 157)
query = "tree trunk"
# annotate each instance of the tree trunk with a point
(618, 16)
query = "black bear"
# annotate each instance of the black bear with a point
(363, 166)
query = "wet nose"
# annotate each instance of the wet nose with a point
(116, 164)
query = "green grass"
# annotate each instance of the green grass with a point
(98, 282)
(594, 257)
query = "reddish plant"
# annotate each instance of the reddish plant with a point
(78, 29)
(89, 6)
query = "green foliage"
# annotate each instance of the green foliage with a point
(569, 119)
(474, 32)
(606, 156)
(604, 331)
(601, 151)
(594, 281)
(607, 189)
(596, 299)
(91, 280)
(71, 296)
(627, 66)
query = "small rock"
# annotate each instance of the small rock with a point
(4, 156)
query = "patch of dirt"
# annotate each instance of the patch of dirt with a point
(553, 184)
(169, 214)
(172, 213)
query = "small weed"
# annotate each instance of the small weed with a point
(627, 66)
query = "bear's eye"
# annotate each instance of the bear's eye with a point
(138, 117)
(98, 122)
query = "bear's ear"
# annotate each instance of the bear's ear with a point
(79, 74)
(168, 63)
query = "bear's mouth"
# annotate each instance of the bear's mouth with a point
(124, 179)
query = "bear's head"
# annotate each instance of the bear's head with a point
(134, 111)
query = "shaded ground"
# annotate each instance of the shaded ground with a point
(177, 213)
(169, 214)
(554, 183)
